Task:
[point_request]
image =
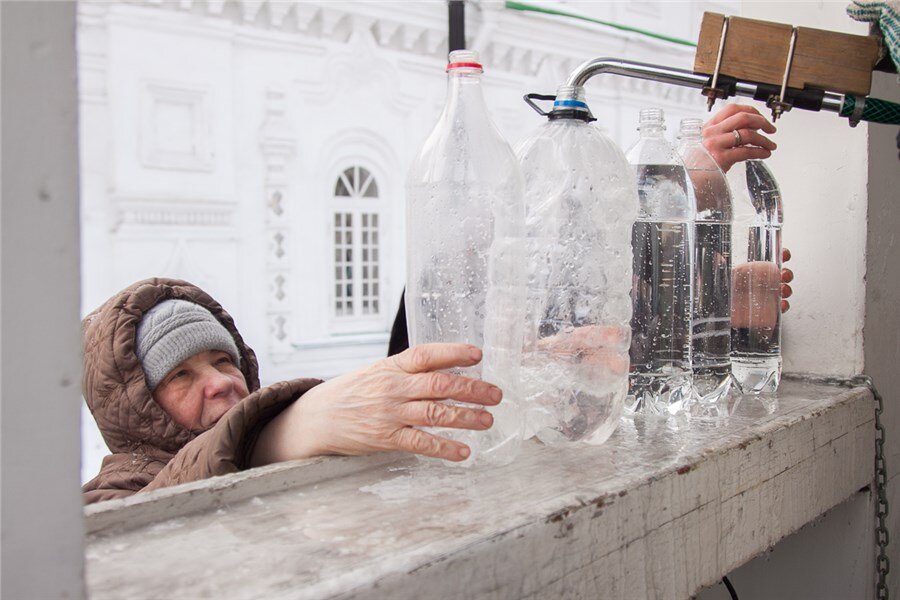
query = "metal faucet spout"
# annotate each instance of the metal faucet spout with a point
(672, 76)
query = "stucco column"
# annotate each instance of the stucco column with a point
(41, 553)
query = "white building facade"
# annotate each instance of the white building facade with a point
(259, 148)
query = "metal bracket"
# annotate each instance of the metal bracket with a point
(778, 103)
(711, 91)
(858, 108)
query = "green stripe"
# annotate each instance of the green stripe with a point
(561, 13)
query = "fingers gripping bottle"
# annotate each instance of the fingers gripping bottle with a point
(580, 205)
(711, 321)
(662, 286)
(465, 221)
(756, 278)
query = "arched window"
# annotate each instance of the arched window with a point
(357, 264)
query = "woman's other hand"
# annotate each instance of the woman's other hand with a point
(380, 407)
(787, 276)
(732, 135)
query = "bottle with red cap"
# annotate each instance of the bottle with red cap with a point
(465, 267)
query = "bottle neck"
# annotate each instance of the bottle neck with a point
(464, 92)
(652, 130)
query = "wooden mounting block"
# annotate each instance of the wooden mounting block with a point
(756, 51)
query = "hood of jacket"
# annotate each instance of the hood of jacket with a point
(113, 381)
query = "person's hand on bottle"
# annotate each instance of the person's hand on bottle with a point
(787, 276)
(733, 134)
(755, 287)
(603, 346)
(380, 407)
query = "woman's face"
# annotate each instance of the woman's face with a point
(201, 389)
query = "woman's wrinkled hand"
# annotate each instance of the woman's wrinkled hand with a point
(379, 408)
(732, 135)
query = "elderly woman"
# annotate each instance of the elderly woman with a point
(175, 392)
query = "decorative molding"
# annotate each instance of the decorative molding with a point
(178, 217)
(420, 30)
(278, 145)
(175, 127)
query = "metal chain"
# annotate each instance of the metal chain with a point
(882, 538)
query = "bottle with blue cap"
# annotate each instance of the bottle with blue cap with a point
(465, 274)
(580, 204)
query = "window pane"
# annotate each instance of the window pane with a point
(375, 271)
(349, 287)
(337, 273)
(337, 255)
(375, 237)
(348, 219)
(337, 237)
(349, 272)
(347, 238)
(375, 306)
(374, 253)
(365, 254)
(372, 190)
(365, 272)
(337, 291)
(365, 220)
(349, 253)
(337, 219)
(375, 220)
(365, 292)
(340, 189)
(375, 289)
(365, 235)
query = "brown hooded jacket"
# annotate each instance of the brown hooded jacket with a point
(149, 449)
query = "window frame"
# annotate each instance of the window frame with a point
(356, 205)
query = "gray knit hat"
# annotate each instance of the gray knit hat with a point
(175, 330)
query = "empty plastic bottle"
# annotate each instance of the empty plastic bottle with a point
(711, 321)
(756, 278)
(580, 204)
(662, 292)
(465, 194)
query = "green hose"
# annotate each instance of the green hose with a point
(561, 13)
(874, 110)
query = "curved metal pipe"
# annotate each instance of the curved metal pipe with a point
(671, 76)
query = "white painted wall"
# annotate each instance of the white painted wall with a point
(41, 529)
(821, 166)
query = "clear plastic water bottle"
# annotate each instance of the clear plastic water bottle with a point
(711, 321)
(662, 292)
(756, 278)
(580, 204)
(464, 194)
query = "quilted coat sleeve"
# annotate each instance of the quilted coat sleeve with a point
(227, 447)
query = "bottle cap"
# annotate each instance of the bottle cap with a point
(570, 104)
(464, 59)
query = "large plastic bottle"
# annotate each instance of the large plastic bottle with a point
(756, 278)
(464, 195)
(662, 292)
(711, 321)
(580, 205)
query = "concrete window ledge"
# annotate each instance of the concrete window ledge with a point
(662, 510)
